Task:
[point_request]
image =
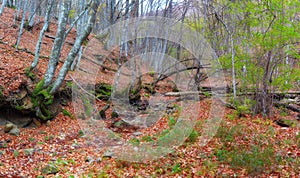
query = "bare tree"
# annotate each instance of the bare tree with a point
(58, 43)
(2, 6)
(76, 47)
(22, 24)
(230, 31)
(42, 32)
(32, 14)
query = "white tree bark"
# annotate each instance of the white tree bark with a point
(77, 18)
(57, 45)
(10, 3)
(230, 33)
(76, 47)
(2, 6)
(33, 8)
(19, 9)
(45, 27)
(22, 24)
(232, 63)
(81, 10)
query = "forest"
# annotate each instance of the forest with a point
(149, 88)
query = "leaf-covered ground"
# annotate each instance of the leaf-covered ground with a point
(247, 146)
(244, 146)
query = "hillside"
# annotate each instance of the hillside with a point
(243, 146)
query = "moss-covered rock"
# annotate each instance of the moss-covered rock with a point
(50, 169)
(43, 102)
(288, 123)
(103, 91)
(135, 92)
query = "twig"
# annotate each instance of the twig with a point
(84, 89)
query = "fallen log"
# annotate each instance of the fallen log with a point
(210, 89)
(288, 106)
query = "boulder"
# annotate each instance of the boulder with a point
(21, 121)
(108, 154)
(14, 131)
(287, 123)
(8, 127)
(29, 151)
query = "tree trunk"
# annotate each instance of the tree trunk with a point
(22, 24)
(33, 9)
(2, 6)
(58, 43)
(45, 27)
(75, 49)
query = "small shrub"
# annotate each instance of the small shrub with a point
(254, 160)
(242, 107)
(222, 155)
(243, 110)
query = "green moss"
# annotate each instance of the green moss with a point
(39, 86)
(85, 42)
(44, 113)
(88, 108)
(19, 108)
(67, 113)
(13, 7)
(152, 73)
(41, 98)
(103, 91)
(114, 114)
(51, 168)
(149, 88)
(172, 121)
(193, 136)
(102, 114)
(287, 122)
(69, 84)
(176, 168)
(47, 97)
(30, 74)
(1, 90)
